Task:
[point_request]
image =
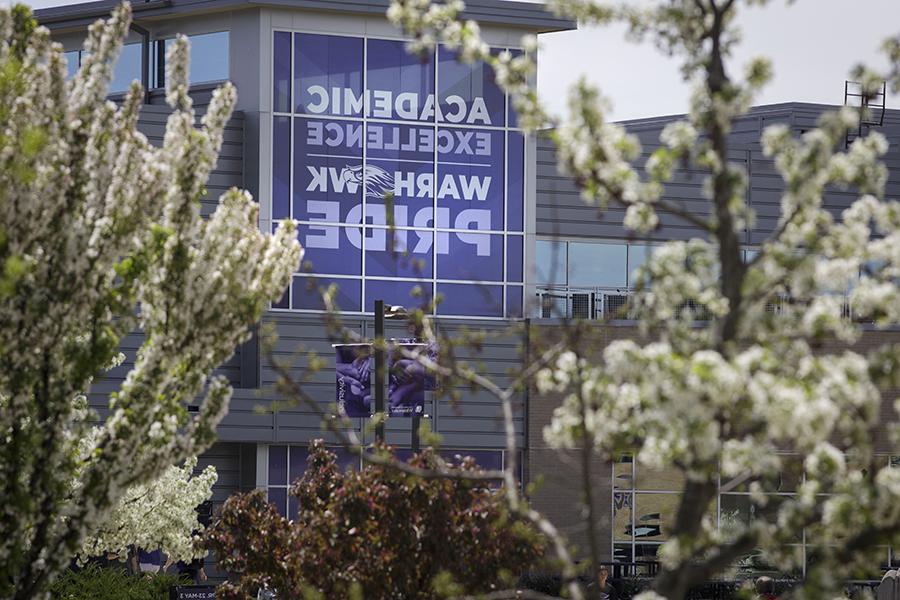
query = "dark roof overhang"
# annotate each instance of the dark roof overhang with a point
(526, 15)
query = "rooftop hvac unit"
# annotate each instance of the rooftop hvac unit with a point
(615, 306)
(582, 305)
(553, 305)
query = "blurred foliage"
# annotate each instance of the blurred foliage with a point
(107, 583)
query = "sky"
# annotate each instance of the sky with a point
(813, 45)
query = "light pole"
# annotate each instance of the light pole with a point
(379, 369)
(382, 313)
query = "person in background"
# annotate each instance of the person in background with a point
(602, 588)
(195, 570)
(149, 561)
(765, 588)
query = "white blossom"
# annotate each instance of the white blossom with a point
(736, 372)
(102, 235)
(159, 514)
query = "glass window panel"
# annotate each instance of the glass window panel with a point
(786, 480)
(622, 506)
(278, 466)
(328, 171)
(411, 257)
(654, 515)
(515, 181)
(622, 553)
(307, 293)
(468, 93)
(403, 454)
(278, 497)
(411, 294)
(514, 259)
(550, 262)
(474, 300)
(298, 457)
(637, 256)
(623, 476)
(646, 553)
(399, 83)
(281, 167)
(209, 57)
(412, 186)
(895, 461)
(281, 93)
(856, 462)
(328, 75)
(514, 296)
(293, 507)
(597, 265)
(345, 459)
(284, 302)
(400, 142)
(757, 563)
(791, 475)
(470, 177)
(470, 256)
(737, 511)
(670, 480)
(126, 69)
(71, 63)
(331, 250)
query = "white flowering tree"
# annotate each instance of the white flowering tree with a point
(719, 385)
(101, 234)
(158, 514)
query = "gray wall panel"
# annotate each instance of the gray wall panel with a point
(227, 173)
(561, 211)
(475, 421)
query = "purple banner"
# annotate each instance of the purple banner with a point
(406, 382)
(360, 125)
(353, 366)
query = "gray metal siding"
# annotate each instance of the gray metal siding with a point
(229, 170)
(231, 463)
(227, 173)
(561, 212)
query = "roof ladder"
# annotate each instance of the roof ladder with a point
(871, 105)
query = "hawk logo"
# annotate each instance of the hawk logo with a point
(378, 181)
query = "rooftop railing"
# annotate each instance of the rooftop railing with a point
(601, 303)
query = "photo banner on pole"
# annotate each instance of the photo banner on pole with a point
(431, 351)
(407, 381)
(354, 364)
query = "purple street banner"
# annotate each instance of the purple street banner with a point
(354, 364)
(431, 350)
(406, 381)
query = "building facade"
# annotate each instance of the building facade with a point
(332, 113)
